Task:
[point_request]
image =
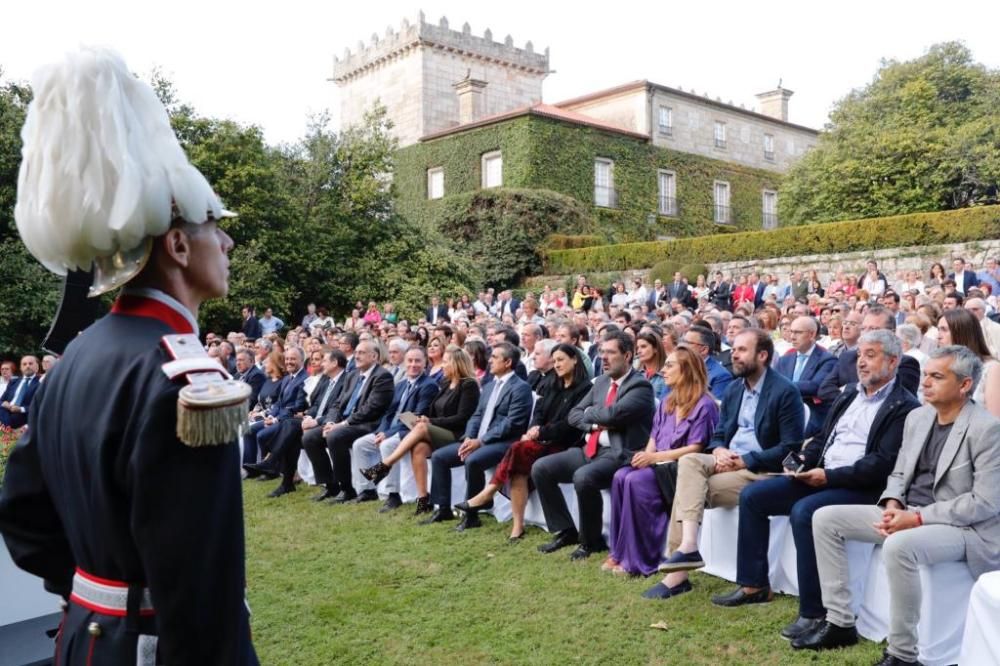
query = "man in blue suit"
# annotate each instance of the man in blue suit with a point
(964, 279)
(291, 401)
(414, 394)
(499, 420)
(17, 398)
(807, 365)
(249, 374)
(761, 422)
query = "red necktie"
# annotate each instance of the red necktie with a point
(591, 449)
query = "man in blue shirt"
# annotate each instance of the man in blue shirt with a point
(270, 324)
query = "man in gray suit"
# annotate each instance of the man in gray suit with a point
(941, 504)
(618, 415)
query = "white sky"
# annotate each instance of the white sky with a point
(268, 63)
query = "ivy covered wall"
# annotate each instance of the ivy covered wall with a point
(544, 153)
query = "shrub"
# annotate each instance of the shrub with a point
(957, 226)
(664, 271)
(569, 242)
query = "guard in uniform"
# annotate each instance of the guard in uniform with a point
(124, 494)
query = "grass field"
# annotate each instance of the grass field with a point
(345, 585)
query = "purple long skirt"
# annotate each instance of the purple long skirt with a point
(638, 520)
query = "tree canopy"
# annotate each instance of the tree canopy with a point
(924, 135)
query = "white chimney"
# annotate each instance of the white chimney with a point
(774, 103)
(470, 99)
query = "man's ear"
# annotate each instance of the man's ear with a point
(177, 246)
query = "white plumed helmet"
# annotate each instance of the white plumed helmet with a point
(102, 172)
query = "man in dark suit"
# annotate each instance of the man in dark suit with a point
(249, 373)
(617, 415)
(291, 401)
(658, 294)
(17, 398)
(507, 304)
(414, 394)
(964, 279)
(846, 372)
(364, 401)
(437, 312)
(287, 442)
(501, 417)
(251, 325)
(758, 287)
(848, 463)
(761, 422)
(721, 293)
(678, 288)
(807, 365)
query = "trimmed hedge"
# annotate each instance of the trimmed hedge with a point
(956, 226)
(568, 242)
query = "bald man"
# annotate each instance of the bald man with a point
(807, 365)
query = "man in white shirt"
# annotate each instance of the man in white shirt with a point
(991, 329)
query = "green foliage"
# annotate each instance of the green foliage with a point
(924, 135)
(543, 153)
(572, 242)
(664, 270)
(28, 298)
(693, 270)
(503, 229)
(8, 438)
(967, 224)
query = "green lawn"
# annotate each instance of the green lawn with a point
(346, 585)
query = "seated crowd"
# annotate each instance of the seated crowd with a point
(865, 410)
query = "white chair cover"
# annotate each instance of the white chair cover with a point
(981, 643)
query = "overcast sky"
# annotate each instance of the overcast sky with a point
(268, 63)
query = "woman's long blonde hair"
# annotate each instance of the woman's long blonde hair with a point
(693, 384)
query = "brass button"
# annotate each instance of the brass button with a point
(94, 629)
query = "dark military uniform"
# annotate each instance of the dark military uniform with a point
(103, 500)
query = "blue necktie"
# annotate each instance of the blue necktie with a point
(800, 364)
(353, 402)
(402, 403)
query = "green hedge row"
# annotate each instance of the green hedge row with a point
(956, 226)
(569, 242)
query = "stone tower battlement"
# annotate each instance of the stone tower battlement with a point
(417, 70)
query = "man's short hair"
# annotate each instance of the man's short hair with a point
(338, 357)
(882, 311)
(352, 339)
(959, 298)
(706, 336)
(416, 348)
(886, 339)
(246, 353)
(762, 343)
(509, 352)
(572, 329)
(511, 336)
(399, 344)
(891, 294)
(910, 334)
(625, 343)
(626, 315)
(301, 352)
(965, 363)
(548, 344)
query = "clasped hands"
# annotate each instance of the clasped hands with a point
(895, 518)
(467, 447)
(727, 461)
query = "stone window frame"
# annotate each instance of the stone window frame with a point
(486, 157)
(666, 203)
(769, 139)
(431, 173)
(719, 134)
(769, 219)
(722, 212)
(668, 128)
(609, 200)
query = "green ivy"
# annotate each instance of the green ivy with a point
(544, 153)
(957, 226)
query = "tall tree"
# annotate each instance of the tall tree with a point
(924, 135)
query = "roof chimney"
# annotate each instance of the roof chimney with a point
(470, 98)
(774, 103)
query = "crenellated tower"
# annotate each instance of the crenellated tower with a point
(431, 77)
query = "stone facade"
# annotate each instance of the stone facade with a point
(413, 72)
(636, 107)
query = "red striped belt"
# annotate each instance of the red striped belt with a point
(108, 597)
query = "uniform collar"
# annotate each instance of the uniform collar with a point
(155, 304)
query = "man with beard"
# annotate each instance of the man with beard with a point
(848, 463)
(761, 422)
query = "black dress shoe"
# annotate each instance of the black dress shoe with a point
(469, 521)
(826, 636)
(251, 470)
(801, 627)
(562, 539)
(394, 501)
(889, 660)
(343, 497)
(365, 496)
(466, 507)
(283, 489)
(740, 598)
(584, 551)
(439, 516)
(328, 493)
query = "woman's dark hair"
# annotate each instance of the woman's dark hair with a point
(423, 336)
(937, 264)
(477, 350)
(580, 370)
(656, 342)
(966, 330)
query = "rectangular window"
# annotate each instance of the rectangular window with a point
(666, 120)
(667, 181)
(435, 183)
(493, 169)
(770, 209)
(604, 184)
(722, 212)
(720, 134)
(769, 147)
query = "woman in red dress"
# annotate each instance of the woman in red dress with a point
(549, 432)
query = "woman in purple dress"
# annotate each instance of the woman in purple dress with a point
(683, 424)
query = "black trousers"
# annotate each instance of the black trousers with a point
(589, 478)
(285, 448)
(338, 442)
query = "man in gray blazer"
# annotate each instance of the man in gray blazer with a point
(617, 414)
(941, 504)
